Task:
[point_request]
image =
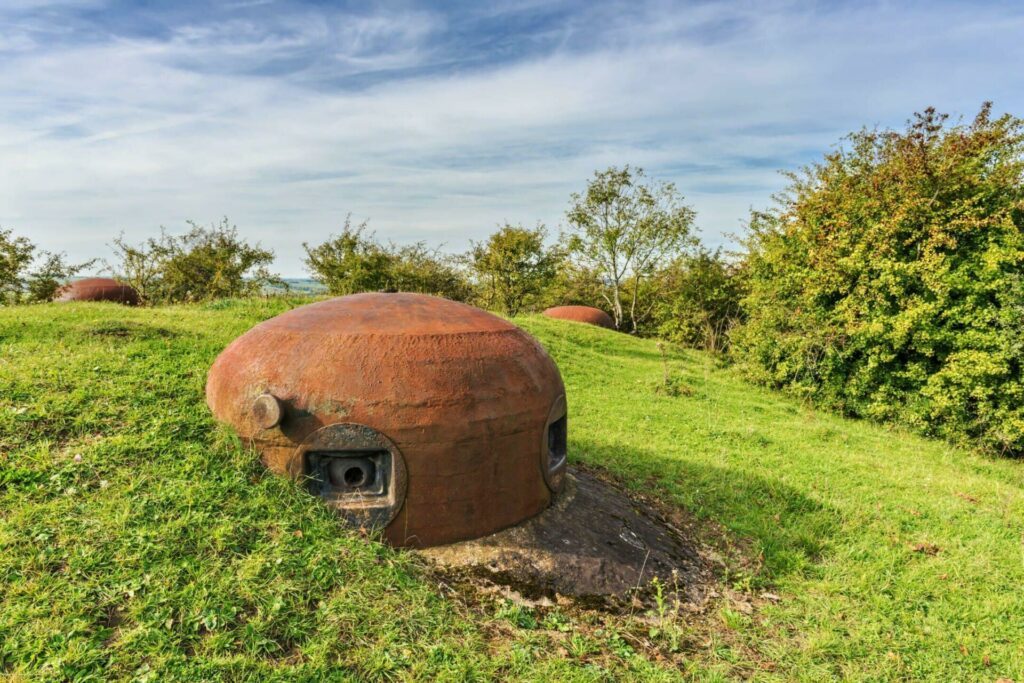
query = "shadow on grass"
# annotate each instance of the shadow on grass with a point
(127, 330)
(778, 527)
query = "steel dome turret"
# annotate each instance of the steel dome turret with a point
(434, 420)
(98, 289)
(582, 314)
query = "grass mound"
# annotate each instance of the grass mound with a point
(140, 540)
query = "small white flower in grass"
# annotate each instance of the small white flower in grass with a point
(78, 457)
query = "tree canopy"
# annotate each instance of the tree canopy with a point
(624, 226)
(513, 267)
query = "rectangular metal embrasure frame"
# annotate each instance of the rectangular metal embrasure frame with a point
(334, 475)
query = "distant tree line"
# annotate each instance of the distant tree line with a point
(629, 248)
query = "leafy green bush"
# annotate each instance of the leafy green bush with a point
(15, 258)
(354, 261)
(888, 281)
(700, 301)
(513, 268)
(200, 265)
(574, 285)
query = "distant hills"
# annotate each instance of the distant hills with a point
(301, 285)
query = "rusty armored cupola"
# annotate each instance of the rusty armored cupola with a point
(582, 314)
(431, 419)
(98, 289)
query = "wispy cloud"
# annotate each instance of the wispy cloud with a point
(437, 123)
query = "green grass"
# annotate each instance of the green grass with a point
(140, 540)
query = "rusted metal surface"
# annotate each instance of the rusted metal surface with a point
(98, 289)
(582, 314)
(467, 400)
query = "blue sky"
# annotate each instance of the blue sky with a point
(439, 120)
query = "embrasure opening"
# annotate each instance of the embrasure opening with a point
(554, 447)
(558, 435)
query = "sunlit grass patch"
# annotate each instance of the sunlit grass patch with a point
(139, 539)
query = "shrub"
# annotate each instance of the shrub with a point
(418, 268)
(700, 299)
(513, 268)
(200, 265)
(50, 273)
(574, 284)
(887, 280)
(354, 261)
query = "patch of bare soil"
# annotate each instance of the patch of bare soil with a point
(597, 545)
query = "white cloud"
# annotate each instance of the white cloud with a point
(127, 134)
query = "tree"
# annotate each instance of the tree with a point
(354, 261)
(20, 282)
(513, 267)
(202, 264)
(624, 227)
(214, 263)
(47, 277)
(888, 280)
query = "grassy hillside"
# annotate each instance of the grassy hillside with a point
(137, 539)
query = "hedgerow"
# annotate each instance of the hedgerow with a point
(888, 280)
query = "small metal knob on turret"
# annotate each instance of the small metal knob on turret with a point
(268, 411)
